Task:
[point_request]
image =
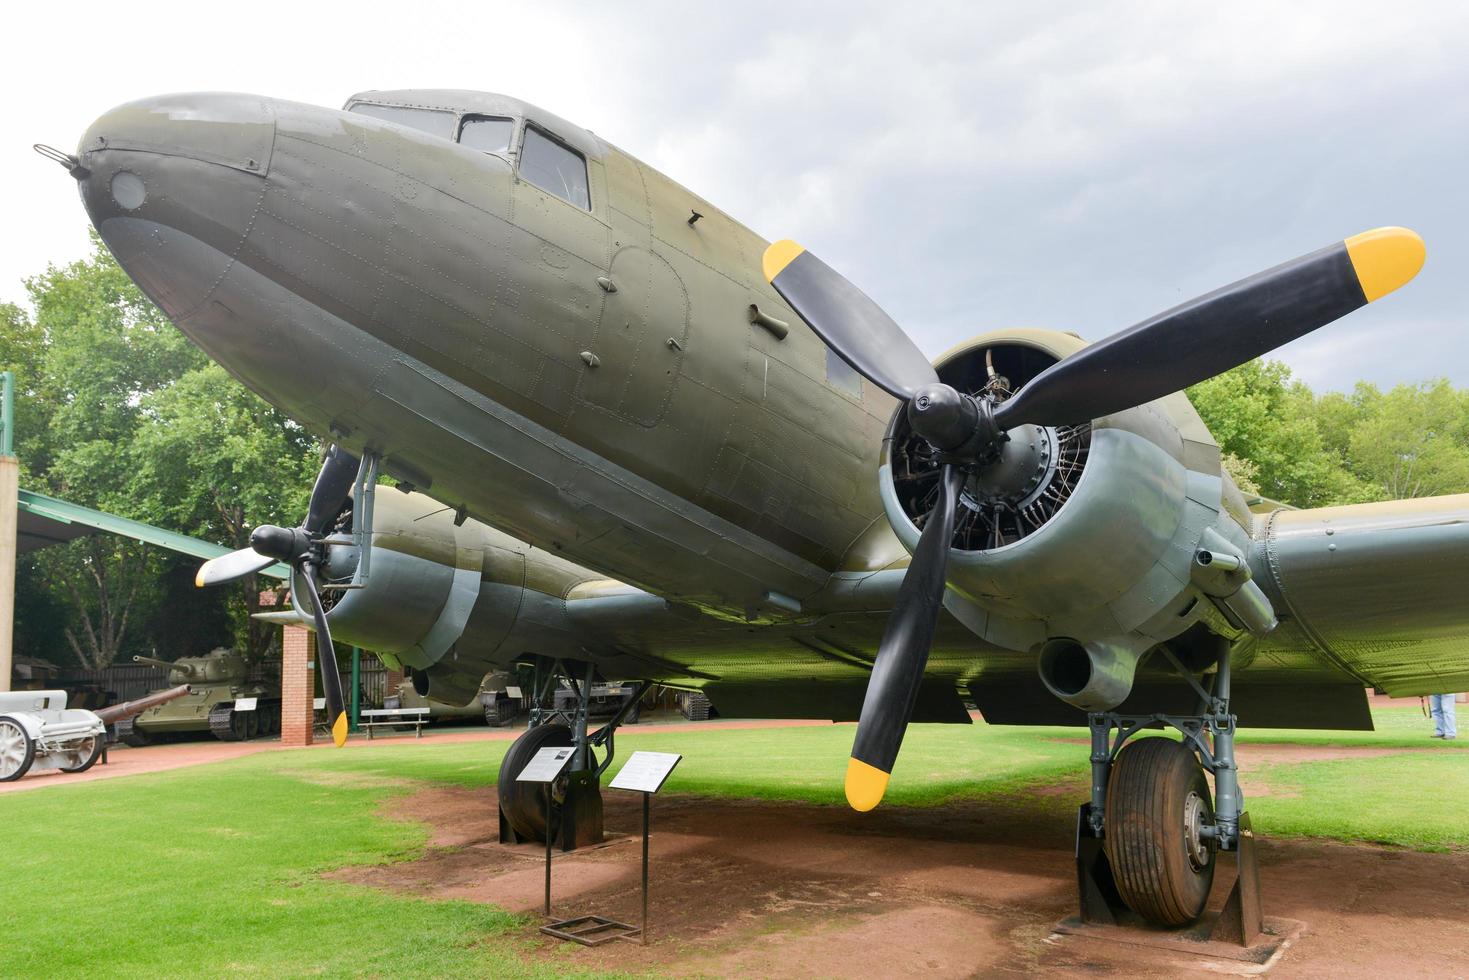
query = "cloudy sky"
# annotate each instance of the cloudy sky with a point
(971, 165)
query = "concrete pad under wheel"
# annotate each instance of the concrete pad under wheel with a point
(1193, 941)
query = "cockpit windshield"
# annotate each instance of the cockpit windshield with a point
(435, 122)
(487, 133)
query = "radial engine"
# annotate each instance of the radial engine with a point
(1089, 544)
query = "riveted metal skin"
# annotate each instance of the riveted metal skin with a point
(425, 302)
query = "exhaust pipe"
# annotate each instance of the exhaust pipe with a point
(1093, 676)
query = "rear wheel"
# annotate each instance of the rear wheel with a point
(87, 753)
(17, 750)
(524, 804)
(1158, 802)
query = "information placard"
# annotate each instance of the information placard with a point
(244, 704)
(319, 703)
(511, 691)
(546, 764)
(645, 772)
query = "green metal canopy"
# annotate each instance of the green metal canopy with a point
(44, 521)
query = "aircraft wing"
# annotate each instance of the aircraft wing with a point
(1367, 595)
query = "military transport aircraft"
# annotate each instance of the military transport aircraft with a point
(739, 475)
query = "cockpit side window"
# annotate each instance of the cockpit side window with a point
(435, 122)
(554, 167)
(487, 133)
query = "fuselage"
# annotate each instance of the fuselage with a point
(583, 373)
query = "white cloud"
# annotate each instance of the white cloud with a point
(970, 165)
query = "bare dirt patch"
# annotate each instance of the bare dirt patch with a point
(791, 890)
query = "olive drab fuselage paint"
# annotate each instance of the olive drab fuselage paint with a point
(666, 470)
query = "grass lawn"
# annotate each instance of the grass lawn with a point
(215, 870)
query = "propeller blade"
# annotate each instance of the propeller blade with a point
(227, 568)
(1223, 329)
(852, 325)
(333, 483)
(898, 671)
(326, 659)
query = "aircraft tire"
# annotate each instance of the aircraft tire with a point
(524, 804)
(1157, 797)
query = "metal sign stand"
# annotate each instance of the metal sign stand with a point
(644, 773)
(545, 767)
(547, 788)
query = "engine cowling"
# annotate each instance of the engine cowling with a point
(1080, 543)
(429, 586)
(446, 601)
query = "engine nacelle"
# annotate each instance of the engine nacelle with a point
(1081, 542)
(445, 601)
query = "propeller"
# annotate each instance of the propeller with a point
(1166, 353)
(302, 549)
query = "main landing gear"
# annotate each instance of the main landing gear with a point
(576, 798)
(1148, 841)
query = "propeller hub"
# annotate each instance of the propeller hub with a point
(955, 423)
(1017, 474)
(287, 544)
(943, 416)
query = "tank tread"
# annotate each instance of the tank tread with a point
(221, 725)
(696, 707)
(128, 735)
(270, 717)
(267, 714)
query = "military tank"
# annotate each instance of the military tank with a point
(492, 702)
(226, 700)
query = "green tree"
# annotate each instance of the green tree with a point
(120, 412)
(23, 351)
(214, 458)
(1412, 441)
(1264, 418)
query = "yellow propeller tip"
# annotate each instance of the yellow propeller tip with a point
(1384, 259)
(199, 578)
(865, 785)
(778, 256)
(339, 730)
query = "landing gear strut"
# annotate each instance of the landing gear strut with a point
(576, 798)
(1149, 838)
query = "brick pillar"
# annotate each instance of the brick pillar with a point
(298, 685)
(392, 677)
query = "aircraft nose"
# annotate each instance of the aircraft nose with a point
(172, 182)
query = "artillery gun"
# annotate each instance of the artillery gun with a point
(38, 730)
(224, 700)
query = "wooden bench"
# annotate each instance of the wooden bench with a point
(392, 717)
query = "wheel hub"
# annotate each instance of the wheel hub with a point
(12, 747)
(1195, 817)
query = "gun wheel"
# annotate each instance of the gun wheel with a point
(17, 750)
(1158, 803)
(87, 752)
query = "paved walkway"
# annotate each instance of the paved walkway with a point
(124, 760)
